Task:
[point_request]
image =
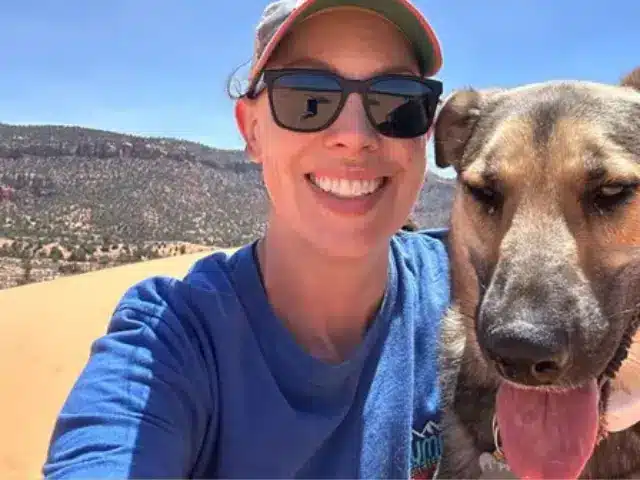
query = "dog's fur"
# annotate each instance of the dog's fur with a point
(533, 234)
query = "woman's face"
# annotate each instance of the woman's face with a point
(347, 157)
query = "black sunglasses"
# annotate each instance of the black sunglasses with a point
(310, 100)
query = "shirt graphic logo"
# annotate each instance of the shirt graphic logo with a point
(426, 450)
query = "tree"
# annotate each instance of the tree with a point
(26, 271)
(78, 255)
(56, 254)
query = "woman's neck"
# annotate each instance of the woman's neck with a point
(326, 303)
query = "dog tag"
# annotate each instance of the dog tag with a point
(494, 467)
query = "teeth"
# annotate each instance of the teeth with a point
(347, 188)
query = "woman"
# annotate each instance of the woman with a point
(311, 352)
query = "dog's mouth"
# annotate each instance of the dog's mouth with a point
(548, 433)
(552, 432)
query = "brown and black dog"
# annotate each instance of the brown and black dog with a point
(545, 246)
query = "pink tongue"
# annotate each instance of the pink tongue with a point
(547, 435)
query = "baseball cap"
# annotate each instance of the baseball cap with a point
(281, 15)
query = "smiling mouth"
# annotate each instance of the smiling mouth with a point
(347, 188)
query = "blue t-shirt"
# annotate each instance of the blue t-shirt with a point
(199, 378)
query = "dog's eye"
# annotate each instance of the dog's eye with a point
(611, 190)
(486, 196)
(607, 197)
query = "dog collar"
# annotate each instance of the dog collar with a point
(494, 465)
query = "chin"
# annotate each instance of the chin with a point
(349, 245)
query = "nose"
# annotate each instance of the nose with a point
(526, 353)
(352, 130)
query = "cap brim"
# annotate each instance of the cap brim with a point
(400, 12)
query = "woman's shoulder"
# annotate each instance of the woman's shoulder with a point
(205, 297)
(212, 274)
(422, 265)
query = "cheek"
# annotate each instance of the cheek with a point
(281, 146)
(629, 231)
(417, 158)
(623, 230)
(411, 154)
(412, 157)
(282, 159)
(607, 244)
(270, 140)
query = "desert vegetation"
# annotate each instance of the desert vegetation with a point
(74, 200)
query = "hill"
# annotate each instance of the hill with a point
(75, 199)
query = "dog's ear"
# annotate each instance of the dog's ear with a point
(454, 125)
(632, 79)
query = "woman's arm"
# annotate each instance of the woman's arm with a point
(145, 400)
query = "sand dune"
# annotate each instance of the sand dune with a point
(45, 333)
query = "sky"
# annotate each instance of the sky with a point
(160, 67)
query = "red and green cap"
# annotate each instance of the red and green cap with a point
(281, 16)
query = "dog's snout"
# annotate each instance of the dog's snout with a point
(527, 354)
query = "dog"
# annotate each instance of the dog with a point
(544, 238)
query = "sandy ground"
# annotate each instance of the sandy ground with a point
(46, 330)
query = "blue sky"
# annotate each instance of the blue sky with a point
(159, 67)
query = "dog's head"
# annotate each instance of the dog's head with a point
(545, 225)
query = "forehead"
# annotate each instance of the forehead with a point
(556, 128)
(351, 40)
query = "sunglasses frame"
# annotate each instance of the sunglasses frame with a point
(347, 86)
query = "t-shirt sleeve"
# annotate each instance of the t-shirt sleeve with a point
(144, 403)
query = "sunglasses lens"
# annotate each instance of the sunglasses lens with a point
(305, 102)
(401, 108)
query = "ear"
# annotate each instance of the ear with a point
(632, 79)
(247, 125)
(455, 123)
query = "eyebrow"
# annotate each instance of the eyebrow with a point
(317, 63)
(597, 170)
(595, 176)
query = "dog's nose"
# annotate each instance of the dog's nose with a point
(527, 354)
